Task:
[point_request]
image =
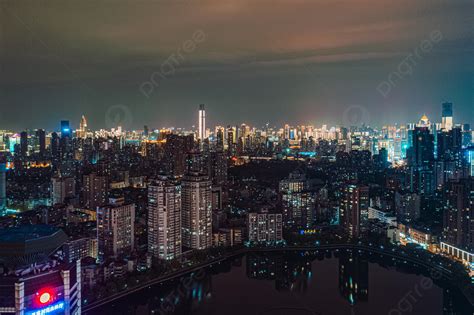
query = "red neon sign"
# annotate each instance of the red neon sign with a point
(44, 297)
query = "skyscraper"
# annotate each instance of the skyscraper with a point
(95, 190)
(175, 152)
(164, 218)
(298, 203)
(447, 116)
(115, 229)
(41, 138)
(3, 185)
(24, 144)
(423, 147)
(62, 188)
(196, 211)
(81, 133)
(65, 129)
(459, 214)
(202, 123)
(354, 208)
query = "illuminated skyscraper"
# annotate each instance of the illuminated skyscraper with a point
(41, 135)
(65, 129)
(115, 229)
(95, 190)
(175, 152)
(24, 144)
(202, 123)
(447, 116)
(81, 133)
(62, 188)
(298, 203)
(164, 218)
(354, 208)
(3, 185)
(196, 211)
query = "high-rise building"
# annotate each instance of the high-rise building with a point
(196, 211)
(82, 131)
(447, 116)
(218, 168)
(175, 153)
(3, 185)
(65, 129)
(298, 203)
(354, 209)
(24, 144)
(202, 123)
(115, 229)
(421, 160)
(265, 227)
(407, 206)
(164, 218)
(459, 214)
(55, 151)
(62, 188)
(95, 190)
(423, 147)
(41, 135)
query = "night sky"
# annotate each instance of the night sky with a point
(301, 62)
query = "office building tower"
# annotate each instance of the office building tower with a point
(354, 209)
(265, 227)
(175, 153)
(55, 151)
(466, 135)
(164, 218)
(459, 214)
(62, 188)
(82, 131)
(3, 184)
(146, 131)
(65, 129)
(202, 123)
(449, 147)
(447, 116)
(115, 229)
(407, 206)
(297, 202)
(220, 138)
(218, 168)
(41, 136)
(196, 211)
(95, 190)
(422, 147)
(24, 144)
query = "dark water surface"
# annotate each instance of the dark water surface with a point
(332, 282)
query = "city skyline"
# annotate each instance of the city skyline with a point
(396, 61)
(236, 156)
(358, 119)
